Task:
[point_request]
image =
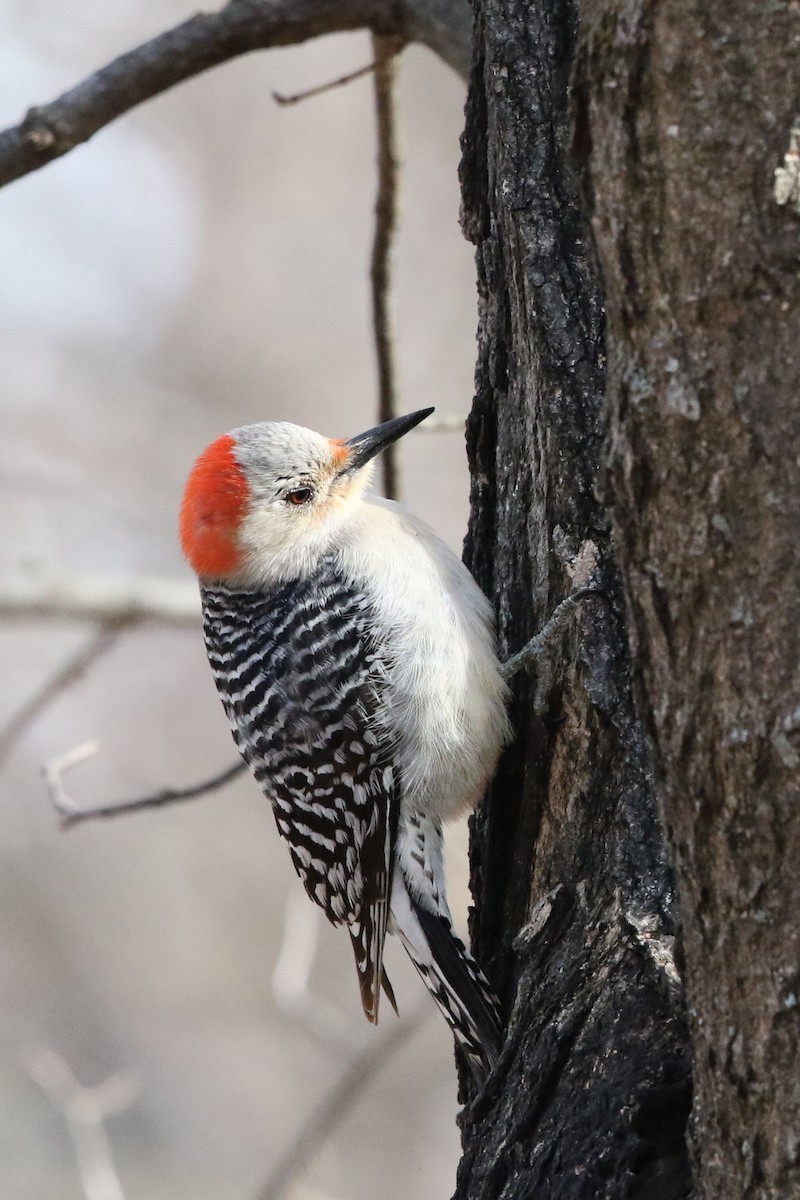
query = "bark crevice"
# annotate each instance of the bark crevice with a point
(596, 1058)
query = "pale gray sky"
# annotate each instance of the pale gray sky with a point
(200, 264)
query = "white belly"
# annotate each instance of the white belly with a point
(445, 698)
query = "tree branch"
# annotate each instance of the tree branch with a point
(334, 1108)
(205, 41)
(85, 1110)
(292, 972)
(74, 668)
(386, 50)
(71, 814)
(322, 88)
(111, 598)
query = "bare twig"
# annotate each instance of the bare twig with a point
(71, 814)
(301, 1191)
(208, 39)
(85, 1110)
(334, 1108)
(322, 88)
(444, 424)
(386, 50)
(292, 972)
(42, 593)
(72, 670)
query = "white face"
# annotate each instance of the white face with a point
(299, 492)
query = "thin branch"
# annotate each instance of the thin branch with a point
(100, 597)
(386, 50)
(301, 1191)
(335, 1107)
(443, 424)
(85, 1110)
(72, 670)
(208, 39)
(292, 972)
(322, 88)
(71, 814)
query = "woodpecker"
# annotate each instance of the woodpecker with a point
(355, 658)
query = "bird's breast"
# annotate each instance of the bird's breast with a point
(443, 699)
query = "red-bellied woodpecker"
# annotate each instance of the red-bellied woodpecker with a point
(355, 658)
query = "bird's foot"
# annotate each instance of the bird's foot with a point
(536, 656)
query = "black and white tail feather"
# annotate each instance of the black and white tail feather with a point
(453, 978)
(422, 920)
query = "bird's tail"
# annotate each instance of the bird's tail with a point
(453, 978)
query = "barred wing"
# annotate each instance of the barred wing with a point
(300, 680)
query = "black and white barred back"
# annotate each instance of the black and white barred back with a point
(301, 681)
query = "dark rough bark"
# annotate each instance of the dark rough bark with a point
(689, 109)
(577, 913)
(651, 131)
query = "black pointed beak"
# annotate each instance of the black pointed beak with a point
(365, 446)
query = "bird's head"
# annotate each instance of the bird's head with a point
(263, 502)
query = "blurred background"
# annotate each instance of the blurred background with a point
(201, 264)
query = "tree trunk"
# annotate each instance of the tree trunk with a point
(622, 154)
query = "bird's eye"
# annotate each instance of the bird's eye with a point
(300, 495)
